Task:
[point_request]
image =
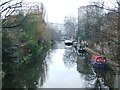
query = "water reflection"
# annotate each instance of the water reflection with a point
(59, 75)
(59, 68)
(84, 68)
(28, 75)
(107, 77)
(70, 57)
(83, 64)
(100, 79)
(88, 77)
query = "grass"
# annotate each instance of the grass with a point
(109, 56)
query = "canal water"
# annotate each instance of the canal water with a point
(60, 67)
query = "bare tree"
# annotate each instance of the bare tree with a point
(116, 10)
(70, 25)
(8, 7)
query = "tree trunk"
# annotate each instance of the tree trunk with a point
(118, 33)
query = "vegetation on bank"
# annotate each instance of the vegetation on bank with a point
(100, 29)
(24, 43)
(111, 65)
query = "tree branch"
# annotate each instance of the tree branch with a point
(106, 8)
(5, 2)
(12, 6)
(16, 25)
(4, 20)
(104, 35)
(12, 26)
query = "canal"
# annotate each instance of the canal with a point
(60, 67)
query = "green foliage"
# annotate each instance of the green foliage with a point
(80, 36)
(32, 48)
(7, 52)
(23, 37)
(20, 45)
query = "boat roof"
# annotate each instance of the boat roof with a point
(68, 41)
(96, 56)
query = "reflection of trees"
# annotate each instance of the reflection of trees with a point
(109, 79)
(102, 79)
(108, 76)
(28, 75)
(83, 64)
(105, 78)
(69, 58)
(84, 68)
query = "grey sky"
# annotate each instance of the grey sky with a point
(56, 10)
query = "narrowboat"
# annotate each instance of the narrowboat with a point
(81, 49)
(68, 42)
(98, 61)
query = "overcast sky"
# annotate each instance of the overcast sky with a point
(56, 10)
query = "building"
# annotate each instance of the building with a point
(87, 20)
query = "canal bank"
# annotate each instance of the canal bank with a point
(59, 68)
(113, 65)
(97, 53)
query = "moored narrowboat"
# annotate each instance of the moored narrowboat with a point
(98, 61)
